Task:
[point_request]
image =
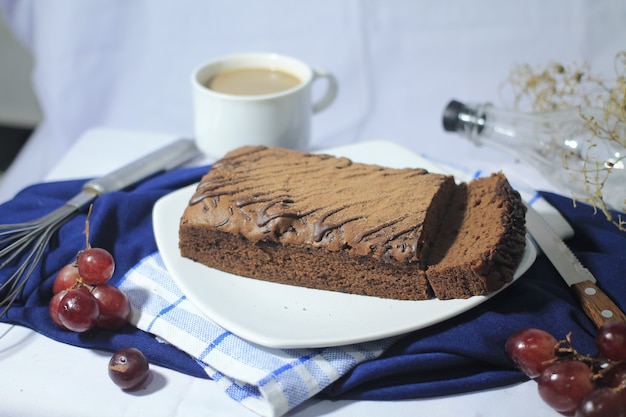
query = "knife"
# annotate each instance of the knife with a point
(595, 303)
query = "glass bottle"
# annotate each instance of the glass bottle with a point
(560, 144)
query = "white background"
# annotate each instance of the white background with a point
(126, 64)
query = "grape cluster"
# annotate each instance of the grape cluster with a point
(83, 300)
(571, 383)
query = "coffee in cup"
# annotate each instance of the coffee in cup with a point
(253, 81)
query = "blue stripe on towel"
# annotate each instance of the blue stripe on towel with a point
(165, 311)
(214, 344)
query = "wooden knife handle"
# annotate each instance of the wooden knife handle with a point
(596, 304)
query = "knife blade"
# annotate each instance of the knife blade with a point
(596, 304)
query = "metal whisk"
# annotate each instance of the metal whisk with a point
(30, 239)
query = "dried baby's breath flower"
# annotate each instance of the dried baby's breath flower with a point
(602, 105)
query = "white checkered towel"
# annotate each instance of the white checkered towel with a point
(268, 381)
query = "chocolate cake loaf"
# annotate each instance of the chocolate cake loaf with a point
(328, 223)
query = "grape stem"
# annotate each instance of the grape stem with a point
(620, 387)
(603, 371)
(565, 350)
(87, 220)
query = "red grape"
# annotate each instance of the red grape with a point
(564, 384)
(95, 265)
(611, 340)
(53, 308)
(614, 375)
(66, 278)
(128, 368)
(603, 402)
(531, 350)
(78, 310)
(113, 305)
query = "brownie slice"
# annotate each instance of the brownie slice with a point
(481, 242)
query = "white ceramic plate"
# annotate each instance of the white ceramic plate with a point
(284, 316)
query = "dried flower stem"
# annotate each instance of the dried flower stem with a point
(557, 87)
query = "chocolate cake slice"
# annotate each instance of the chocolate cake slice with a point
(482, 241)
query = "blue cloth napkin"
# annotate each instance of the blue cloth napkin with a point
(460, 355)
(121, 222)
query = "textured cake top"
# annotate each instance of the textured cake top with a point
(291, 197)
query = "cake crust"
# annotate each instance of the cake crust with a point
(329, 223)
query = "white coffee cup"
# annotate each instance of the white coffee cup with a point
(225, 121)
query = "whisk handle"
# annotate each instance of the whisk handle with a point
(158, 161)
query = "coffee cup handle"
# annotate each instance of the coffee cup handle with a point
(331, 90)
